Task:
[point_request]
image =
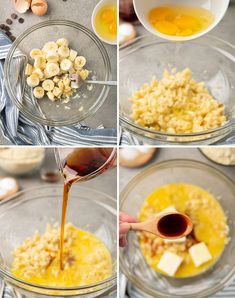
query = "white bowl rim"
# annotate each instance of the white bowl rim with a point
(97, 7)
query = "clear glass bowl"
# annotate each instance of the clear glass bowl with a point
(44, 111)
(211, 60)
(132, 261)
(32, 209)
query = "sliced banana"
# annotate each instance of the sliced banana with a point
(80, 62)
(66, 82)
(73, 54)
(38, 92)
(67, 89)
(66, 65)
(52, 69)
(54, 66)
(61, 85)
(84, 73)
(40, 62)
(33, 80)
(46, 74)
(40, 73)
(72, 71)
(35, 53)
(50, 46)
(64, 51)
(52, 56)
(56, 79)
(48, 85)
(57, 92)
(62, 42)
(28, 69)
(51, 96)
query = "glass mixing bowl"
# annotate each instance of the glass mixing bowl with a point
(132, 261)
(211, 60)
(32, 209)
(45, 111)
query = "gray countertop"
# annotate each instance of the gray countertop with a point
(106, 183)
(79, 11)
(162, 154)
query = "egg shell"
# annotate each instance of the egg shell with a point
(39, 7)
(21, 5)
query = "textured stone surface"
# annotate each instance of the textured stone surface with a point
(163, 154)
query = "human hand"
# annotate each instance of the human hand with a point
(124, 227)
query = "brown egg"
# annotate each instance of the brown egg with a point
(39, 7)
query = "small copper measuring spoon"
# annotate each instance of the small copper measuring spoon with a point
(170, 225)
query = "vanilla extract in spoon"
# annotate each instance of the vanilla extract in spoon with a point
(173, 225)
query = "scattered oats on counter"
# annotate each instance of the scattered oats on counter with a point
(177, 104)
(55, 70)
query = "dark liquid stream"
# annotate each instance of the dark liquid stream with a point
(80, 163)
(172, 225)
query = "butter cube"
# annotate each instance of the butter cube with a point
(169, 263)
(200, 254)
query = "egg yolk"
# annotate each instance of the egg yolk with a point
(180, 20)
(106, 22)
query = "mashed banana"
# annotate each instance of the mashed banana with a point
(177, 104)
(87, 260)
(207, 215)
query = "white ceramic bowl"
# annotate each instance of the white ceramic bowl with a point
(101, 4)
(217, 7)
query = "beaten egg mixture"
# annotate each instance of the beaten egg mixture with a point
(87, 260)
(210, 226)
(180, 20)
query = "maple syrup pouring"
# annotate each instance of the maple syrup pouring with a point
(67, 187)
(79, 166)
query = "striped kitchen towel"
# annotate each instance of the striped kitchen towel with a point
(18, 130)
(128, 139)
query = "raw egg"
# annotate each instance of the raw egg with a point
(106, 22)
(180, 20)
